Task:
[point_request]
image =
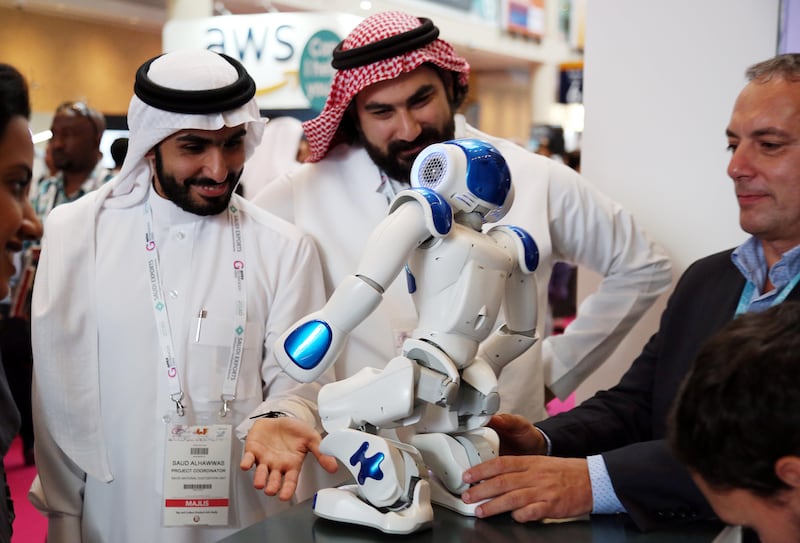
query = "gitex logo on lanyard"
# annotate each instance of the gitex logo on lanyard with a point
(161, 317)
(197, 461)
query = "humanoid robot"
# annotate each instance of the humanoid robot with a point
(407, 432)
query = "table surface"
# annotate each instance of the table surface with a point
(299, 525)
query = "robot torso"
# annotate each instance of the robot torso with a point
(458, 283)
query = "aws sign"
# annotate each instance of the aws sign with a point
(287, 54)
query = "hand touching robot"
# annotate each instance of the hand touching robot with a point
(442, 390)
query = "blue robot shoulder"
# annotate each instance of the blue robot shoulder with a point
(526, 249)
(438, 213)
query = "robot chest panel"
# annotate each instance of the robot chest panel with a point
(460, 284)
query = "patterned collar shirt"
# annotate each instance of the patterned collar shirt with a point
(750, 260)
(50, 190)
(49, 193)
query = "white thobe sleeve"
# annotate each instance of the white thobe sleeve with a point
(62, 502)
(277, 197)
(589, 229)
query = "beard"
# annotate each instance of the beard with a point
(400, 169)
(62, 162)
(68, 163)
(181, 195)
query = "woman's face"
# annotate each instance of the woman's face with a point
(18, 221)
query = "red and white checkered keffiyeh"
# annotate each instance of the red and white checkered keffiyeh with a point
(322, 130)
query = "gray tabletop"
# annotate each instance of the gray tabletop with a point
(300, 525)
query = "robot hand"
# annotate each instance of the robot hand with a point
(311, 345)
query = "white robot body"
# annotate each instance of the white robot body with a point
(373, 397)
(449, 456)
(368, 461)
(455, 267)
(443, 388)
(318, 338)
(311, 345)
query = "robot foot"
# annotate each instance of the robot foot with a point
(441, 496)
(342, 504)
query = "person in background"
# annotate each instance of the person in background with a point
(387, 104)
(48, 167)
(562, 289)
(75, 148)
(573, 159)
(119, 148)
(561, 295)
(157, 301)
(735, 423)
(18, 223)
(15, 352)
(282, 149)
(609, 454)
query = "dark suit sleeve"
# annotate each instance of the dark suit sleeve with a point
(610, 419)
(654, 488)
(627, 423)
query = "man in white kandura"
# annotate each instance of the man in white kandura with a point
(157, 302)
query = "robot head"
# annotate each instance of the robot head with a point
(470, 174)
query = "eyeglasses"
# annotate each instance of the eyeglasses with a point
(82, 110)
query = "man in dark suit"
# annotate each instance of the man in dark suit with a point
(609, 454)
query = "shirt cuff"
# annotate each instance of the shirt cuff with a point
(604, 499)
(546, 439)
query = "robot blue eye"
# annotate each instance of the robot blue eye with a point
(307, 344)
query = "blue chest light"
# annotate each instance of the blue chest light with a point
(307, 345)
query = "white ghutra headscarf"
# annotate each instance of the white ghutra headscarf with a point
(188, 89)
(173, 81)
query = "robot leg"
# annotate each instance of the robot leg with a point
(448, 456)
(391, 491)
(374, 397)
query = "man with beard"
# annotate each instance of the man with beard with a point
(157, 302)
(75, 151)
(396, 91)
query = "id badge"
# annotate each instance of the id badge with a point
(197, 472)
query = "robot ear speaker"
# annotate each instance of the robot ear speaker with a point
(433, 170)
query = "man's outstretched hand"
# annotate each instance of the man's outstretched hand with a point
(277, 448)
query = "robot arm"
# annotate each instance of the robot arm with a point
(504, 345)
(518, 333)
(413, 218)
(312, 344)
